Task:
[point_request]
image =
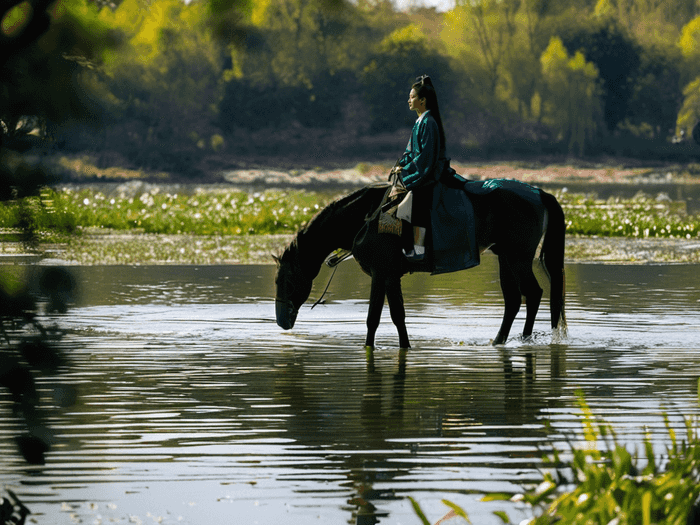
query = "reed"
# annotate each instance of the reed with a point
(604, 483)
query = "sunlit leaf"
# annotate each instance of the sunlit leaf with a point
(418, 511)
(16, 19)
(497, 497)
(459, 511)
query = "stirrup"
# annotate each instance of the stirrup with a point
(338, 256)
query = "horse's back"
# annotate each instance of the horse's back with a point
(510, 215)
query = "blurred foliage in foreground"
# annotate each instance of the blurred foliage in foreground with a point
(603, 483)
(30, 352)
(229, 212)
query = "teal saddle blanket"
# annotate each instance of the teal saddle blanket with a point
(453, 224)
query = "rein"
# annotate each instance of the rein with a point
(320, 299)
(387, 196)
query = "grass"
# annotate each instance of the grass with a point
(203, 213)
(641, 216)
(278, 212)
(604, 483)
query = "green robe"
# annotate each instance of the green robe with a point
(424, 159)
(439, 202)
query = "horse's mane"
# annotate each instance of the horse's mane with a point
(333, 207)
(329, 210)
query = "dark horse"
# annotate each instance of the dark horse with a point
(506, 223)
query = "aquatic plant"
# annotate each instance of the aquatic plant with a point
(641, 216)
(202, 213)
(233, 212)
(603, 483)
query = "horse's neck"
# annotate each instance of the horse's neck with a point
(335, 227)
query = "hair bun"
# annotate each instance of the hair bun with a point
(425, 80)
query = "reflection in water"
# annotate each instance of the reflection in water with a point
(195, 408)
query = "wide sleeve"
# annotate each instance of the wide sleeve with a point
(408, 154)
(419, 163)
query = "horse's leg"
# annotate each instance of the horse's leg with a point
(396, 307)
(518, 280)
(532, 291)
(376, 304)
(511, 297)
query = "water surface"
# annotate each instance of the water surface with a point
(196, 408)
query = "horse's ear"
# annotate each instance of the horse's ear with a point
(276, 258)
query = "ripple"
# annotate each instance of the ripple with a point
(205, 403)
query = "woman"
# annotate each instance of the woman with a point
(424, 163)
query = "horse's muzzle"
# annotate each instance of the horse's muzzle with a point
(286, 314)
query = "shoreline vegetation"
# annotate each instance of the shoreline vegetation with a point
(242, 216)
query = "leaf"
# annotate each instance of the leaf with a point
(504, 517)
(419, 511)
(646, 508)
(457, 510)
(497, 496)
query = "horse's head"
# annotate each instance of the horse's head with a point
(292, 287)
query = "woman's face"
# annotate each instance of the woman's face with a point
(414, 103)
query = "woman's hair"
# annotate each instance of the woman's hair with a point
(425, 89)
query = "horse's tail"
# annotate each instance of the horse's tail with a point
(552, 256)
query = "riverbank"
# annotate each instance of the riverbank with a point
(350, 173)
(148, 249)
(126, 190)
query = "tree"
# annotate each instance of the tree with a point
(616, 56)
(295, 68)
(164, 81)
(689, 44)
(43, 45)
(572, 97)
(657, 95)
(487, 26)
(388, 75)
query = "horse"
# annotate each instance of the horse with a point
(505, 223)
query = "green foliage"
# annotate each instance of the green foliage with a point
(224, 213)
(296, 68)
(166, 76)
(641, 216)
(223, 67)
(613, 486)
(419, 511)
(616, 55)
(690, 110)
(572, 103)
(657, 95)
(46, 46)
(689, 44)
(240, 213)
(386, 79)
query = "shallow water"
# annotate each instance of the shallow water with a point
(196, 408)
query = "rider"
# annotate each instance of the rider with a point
(424, 163)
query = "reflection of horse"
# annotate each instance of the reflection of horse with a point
(510, 225)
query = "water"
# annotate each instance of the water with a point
(196, 408)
